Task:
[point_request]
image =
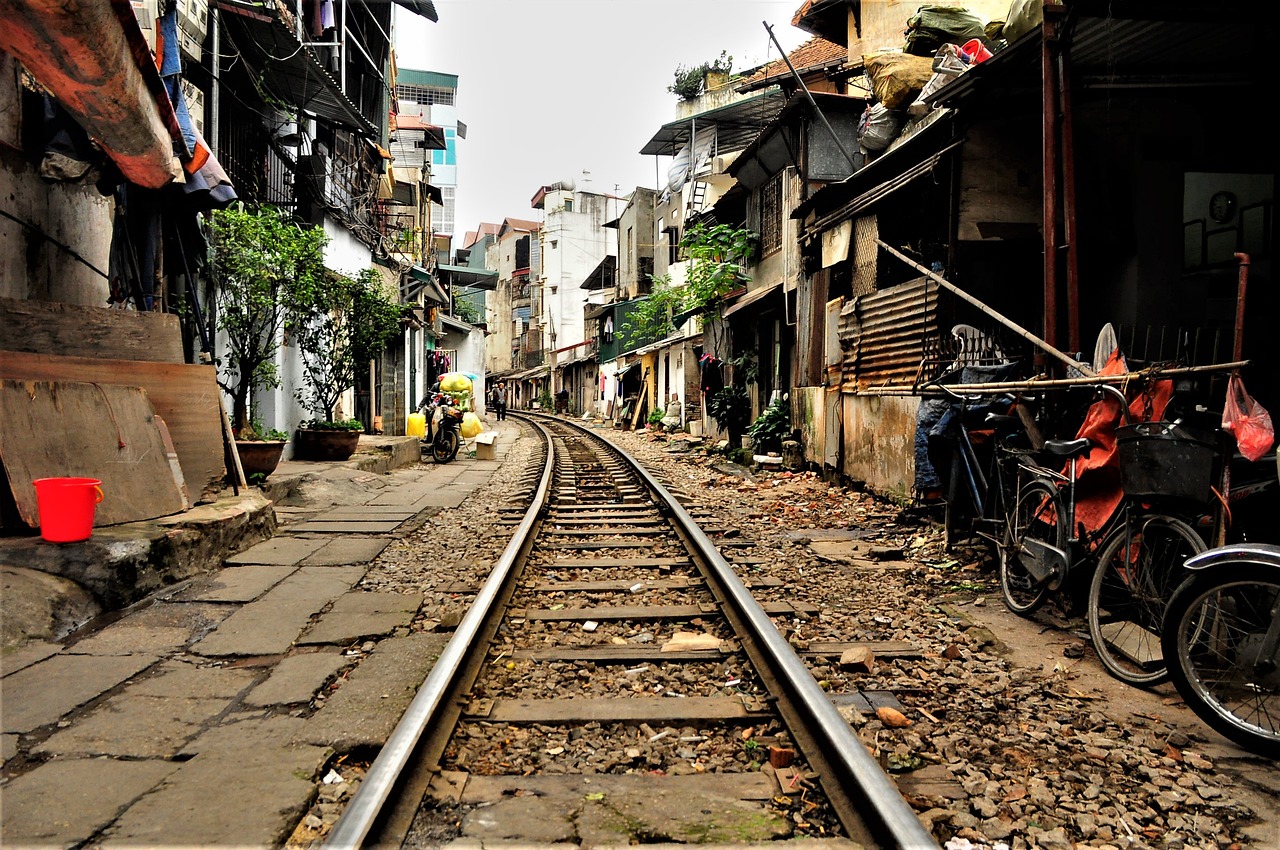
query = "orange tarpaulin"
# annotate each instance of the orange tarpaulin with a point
(1098, 490)
(92, 58)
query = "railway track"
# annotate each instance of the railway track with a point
(664, 702)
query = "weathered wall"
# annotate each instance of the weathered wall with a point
(75, 214)
(879, 442)
(884, 24)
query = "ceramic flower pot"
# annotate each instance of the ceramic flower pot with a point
(310, 444)
(259, 457)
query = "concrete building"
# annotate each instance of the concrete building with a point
(431, 97)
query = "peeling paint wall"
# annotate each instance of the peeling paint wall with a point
(879, 442)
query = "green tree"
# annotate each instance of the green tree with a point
(355, 320)
(267, 270)
(650, 318)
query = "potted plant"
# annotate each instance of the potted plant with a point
(655, 419)
(260, 450)
(771, 427)
(267, 271)
(354, 321)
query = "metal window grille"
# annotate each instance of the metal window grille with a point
(771, 216)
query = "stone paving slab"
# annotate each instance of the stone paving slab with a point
(360, 614)
(317, 526)
(63, 803)
(135, 727)
(31, 652)
(369, 704)
(269, 625)
(282, 549)
(241, 584)
(368, 512)
(160, 629)
(348, 550)
(297, 678)
(43, 692)
(203, 797)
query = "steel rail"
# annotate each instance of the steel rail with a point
(894, 823)
(362, 812)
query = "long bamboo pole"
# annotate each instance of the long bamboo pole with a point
(1055, 383)
(1004, 320)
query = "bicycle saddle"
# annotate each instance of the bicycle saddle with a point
(1068, 448)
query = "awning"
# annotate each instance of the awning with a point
(421, 280)
(752, 297)
(736, 124)
(434, 193)
(425, 8)
(535, 372)
(603, 275)
(288, 71)
(595, 311)
(467, 276)
(93, 58)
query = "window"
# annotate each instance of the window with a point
(771, 216)
(568, 204)
(426, 95)
(673, 245)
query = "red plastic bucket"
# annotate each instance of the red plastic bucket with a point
(976, 51)
(66, 507)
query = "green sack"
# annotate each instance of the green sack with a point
(933, 26)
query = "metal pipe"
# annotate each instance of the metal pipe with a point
(853, 166)
(1069, 216)
(1238, 346)
(1049, 170)
(215, 92)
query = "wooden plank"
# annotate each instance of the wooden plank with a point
(39, 327)
(627, 710)
(185, 396)
(605, 532)
(650, 519)
(614, 563)
(79, 430)
(630, 542)
(654, 612)
(617, 654)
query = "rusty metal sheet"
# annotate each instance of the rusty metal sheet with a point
(882, 334)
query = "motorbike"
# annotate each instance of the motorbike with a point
(1221, 639)
(444, 431)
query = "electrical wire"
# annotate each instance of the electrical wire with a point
(67, 248)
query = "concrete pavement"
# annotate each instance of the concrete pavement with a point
(185, 718)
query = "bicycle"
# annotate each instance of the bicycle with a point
(1222, 633)
(1141, 544)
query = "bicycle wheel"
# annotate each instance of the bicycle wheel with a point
(1034, 518)
(445, 447)
(1215, 634)
(1138, 570)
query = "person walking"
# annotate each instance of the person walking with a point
(499, 400)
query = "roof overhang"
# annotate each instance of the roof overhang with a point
(456, 324)
(467, 276)
(94, 60)
(425, 8)
(736, 124)
(289, 71)
(752, 297)
(771, 151)
(422, 281)
(914, 156)
(604, 275)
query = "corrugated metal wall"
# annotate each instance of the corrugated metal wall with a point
(882, 335)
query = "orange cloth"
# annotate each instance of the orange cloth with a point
(1098, 490)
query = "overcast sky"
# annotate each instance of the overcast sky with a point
(551, 88)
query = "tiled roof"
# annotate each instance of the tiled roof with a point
(814, 53)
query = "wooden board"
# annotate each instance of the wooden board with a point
(40, 327)
(69, 429)
(185, 396)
